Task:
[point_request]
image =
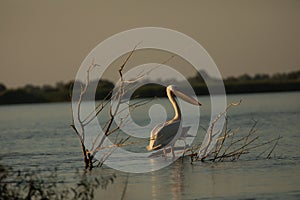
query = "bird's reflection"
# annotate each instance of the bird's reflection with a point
(168, 181)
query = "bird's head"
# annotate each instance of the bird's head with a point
(180, 94)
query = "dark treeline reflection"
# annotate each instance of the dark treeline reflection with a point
(242, 84)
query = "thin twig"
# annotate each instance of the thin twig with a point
(223, 140)
(125, 187)
(252, 130)
(203, 152)
(269, 155)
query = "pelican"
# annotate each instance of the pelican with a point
(163, 135)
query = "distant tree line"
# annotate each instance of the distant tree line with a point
(251, 84)
(59, 93)
(242, 84)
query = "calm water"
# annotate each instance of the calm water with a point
(39, 137)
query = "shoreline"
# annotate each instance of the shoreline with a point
(227, 93)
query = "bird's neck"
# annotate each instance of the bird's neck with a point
(175, 106)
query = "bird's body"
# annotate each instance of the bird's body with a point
(166, 134)
(160, 136)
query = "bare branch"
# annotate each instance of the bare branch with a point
(223, 140)
(252, 131)
(82, 93)
(269, 155)
(203, 152)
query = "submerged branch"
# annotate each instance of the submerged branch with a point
(226, 146)
(203, 152)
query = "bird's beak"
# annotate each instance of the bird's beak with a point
(186, 98)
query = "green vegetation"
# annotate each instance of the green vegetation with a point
(263, 83)
(241, 84)
(41, 184)
(59, 93)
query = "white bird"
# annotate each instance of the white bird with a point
(166, 134)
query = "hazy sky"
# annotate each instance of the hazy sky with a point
(45, 41)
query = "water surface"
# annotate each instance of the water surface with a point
(38, 136)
